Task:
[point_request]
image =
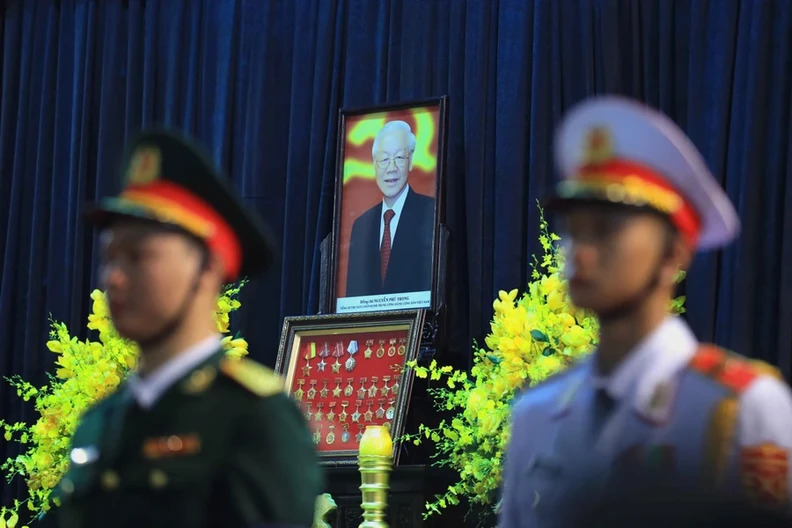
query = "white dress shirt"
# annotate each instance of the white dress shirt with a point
(147, 390)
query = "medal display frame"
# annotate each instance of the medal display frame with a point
(347, 371)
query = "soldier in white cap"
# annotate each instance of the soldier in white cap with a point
(652, 411)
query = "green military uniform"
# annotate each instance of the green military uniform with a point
(220, 443)
(223, 446)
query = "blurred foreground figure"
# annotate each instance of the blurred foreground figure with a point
(193, 438)
(654, 429)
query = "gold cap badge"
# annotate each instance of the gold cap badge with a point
(145, 166)
(598, 146)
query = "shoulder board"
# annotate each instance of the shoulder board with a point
(256, 378)
(729, 369)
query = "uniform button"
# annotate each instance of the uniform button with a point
(175, 443)
(110, 480)
(158, 479)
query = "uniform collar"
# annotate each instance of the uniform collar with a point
(648, 375)
(149, 389)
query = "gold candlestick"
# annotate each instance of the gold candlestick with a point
(375, 461)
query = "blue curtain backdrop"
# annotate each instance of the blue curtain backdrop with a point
(261, 82)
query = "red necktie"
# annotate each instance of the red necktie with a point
(385, 248)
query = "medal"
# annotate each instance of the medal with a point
(325, 352)
(368, 415)
(381, 410)
(367, 352)
(395, 388)
(381, 349)
(324, 392)
(391, 412)
(392, 348)
(348, 390)
(387, 425)
(330, 438)
(343, 416)
(337, 390)
(356, 414)
(312, 390)
(331, 415)
(306, 370)
(317, 437)
(385, 388)
(308, 413)
(352, 349)
(361, 393)
(360, 434)
(402, 346)
(337, 353)
(372, 392)
(299, 392)
(345, 434)
(318, 415)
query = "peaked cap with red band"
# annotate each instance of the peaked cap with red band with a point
(614, 150)
(168, 178)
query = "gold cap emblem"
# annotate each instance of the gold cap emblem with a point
(144, 167)
(598, 146)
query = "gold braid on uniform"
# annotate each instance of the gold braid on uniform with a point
(736, 374)
(256, 378)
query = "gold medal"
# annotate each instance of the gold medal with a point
(392, 348)
(356, 414)
(362, 390)
(349, 390)
(385, 389)
(317, 437)
(324, 392)
(331, 414)
(367, 353)
(372, 392)
(381, 410)
(312, 390)
(343, 416)
(299, 392)
(391, 412)
(402, 346)
(308, 413)
(318, 415)
(330, 438)
(337, 390)
(381, 349)
(368, 415)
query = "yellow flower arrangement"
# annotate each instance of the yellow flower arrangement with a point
(86, 372)
(533, 336)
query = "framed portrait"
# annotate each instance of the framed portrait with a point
(388, 208)
(347, 371)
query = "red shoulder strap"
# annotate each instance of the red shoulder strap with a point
(730, 370)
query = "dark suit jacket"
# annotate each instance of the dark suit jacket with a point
(410, 264)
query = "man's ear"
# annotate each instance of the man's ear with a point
(679, 256)
(409, 167)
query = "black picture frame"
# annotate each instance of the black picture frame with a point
(344, 215)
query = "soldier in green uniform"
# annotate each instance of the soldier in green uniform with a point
(192, 438)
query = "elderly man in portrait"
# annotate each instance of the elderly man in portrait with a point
(390, 249)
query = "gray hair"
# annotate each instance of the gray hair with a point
(392, 126)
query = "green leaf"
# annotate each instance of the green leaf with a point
(494, 359)
(548, 351)
(540, 336)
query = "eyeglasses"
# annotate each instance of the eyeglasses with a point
(400, 161)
